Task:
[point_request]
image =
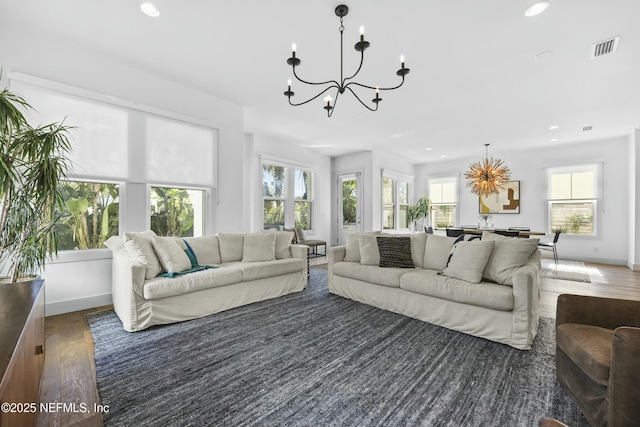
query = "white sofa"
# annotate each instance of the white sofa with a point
(488, 288)
(248, 268)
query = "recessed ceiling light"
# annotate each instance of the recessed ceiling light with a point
(428, 149)
(536, 8)
(443, 156)
(554, 127)
(149, 9)
(554, 140)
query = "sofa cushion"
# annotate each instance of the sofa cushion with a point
(507, 256)
(368, 273)
(172, 257)
(230, 246)
(261, 270)
(369, 253)
(418, 243)
(164, 287)
(468, 260)
(140, 247)
(259, 247)
(430, 283)
(395, 252)
(205, 248)
(436, 252)
(587, 346)
(283, 244)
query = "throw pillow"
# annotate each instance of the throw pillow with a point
(172, 257)
(369, 253)
(116, 244)
(205, 248)
(436, 252)
(230, 246)
(140, 247)
(468, 260)
(395, 252)
(259, 247)
(294, 238)
(509, 254)
(352, 253)
(283, 243)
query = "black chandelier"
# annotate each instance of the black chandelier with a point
(344, 83)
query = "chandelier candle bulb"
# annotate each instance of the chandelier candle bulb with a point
(362, 33)
(293, 50)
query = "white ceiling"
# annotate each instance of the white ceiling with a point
(475, 75)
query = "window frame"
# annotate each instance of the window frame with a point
(596, 168)
(289, 198)
(396, 178)
(444, 179)
(206, 203)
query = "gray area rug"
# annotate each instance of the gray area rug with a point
(316, 359)
(574, 271)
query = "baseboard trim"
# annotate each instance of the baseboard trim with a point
(68, 306)
(634, 267)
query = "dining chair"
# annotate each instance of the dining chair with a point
(551, 246)
(454, 231)
(508, 233)
(428, 229)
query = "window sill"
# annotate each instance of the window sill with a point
(81, 255)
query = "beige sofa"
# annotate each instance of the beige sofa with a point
(248, 268)
(488, 288)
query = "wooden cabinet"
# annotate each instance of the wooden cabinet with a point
(21, 351)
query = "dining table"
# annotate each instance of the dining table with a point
(521, 233)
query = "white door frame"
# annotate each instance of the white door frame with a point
(341, 232)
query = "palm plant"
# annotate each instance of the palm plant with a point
(32, 164)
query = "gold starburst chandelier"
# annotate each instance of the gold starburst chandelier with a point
(487, 176)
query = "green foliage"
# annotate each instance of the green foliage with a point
(90, 215)
(420, 210)
(173, 214)
(32, 164)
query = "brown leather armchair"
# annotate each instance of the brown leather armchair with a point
(598, 357)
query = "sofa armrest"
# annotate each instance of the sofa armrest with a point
(127, 280)
(624, 377)
(607, 313)
(336, 254)
(299, 251)
(526, 303)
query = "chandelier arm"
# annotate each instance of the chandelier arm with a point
(315, 97)
(357, 71)
(333, 107)
(374, 87)
(358, 98)
(312, 83)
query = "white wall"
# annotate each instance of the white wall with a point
(83, 284)
(297, 156)
(372, 165)
(634, 201)
(527, 166)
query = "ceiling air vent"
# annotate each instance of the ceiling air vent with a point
(587, 128)
(604, 47)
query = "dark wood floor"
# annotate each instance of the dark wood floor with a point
(69, 373)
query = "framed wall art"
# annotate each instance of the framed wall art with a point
(507, 201)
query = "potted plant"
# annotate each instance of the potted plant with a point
(32, 163)
(419, 212)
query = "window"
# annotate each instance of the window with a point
(287, 194)
(119, 150)
(395, 203)
(303, 200)
(177, 212)
(444, 201)
(388, 204)
(573, 199)
(273, 193)
(90, 215)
